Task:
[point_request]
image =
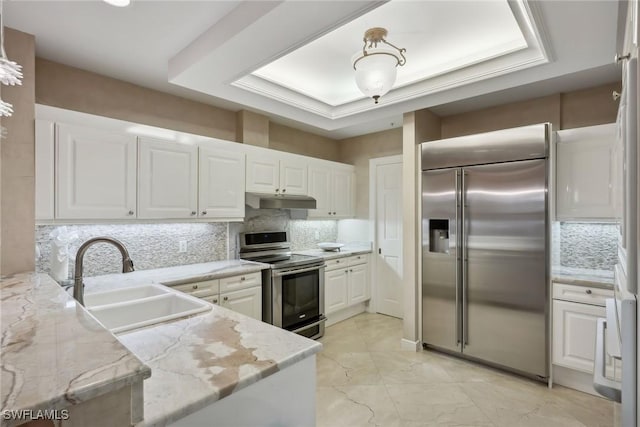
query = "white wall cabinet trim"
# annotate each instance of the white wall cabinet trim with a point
(167, 179)
(95, 174)
(45, 159)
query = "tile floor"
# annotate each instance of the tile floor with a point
(364, 379)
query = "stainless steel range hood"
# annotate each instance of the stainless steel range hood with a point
(272, 201)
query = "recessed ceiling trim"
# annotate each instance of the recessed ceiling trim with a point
(494, 63)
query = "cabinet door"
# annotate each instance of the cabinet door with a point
(574, 335)
(45, 155)
(585, 171)
(320, 189)
(222, 184)
(263, 173)
(96, 174)
(293, 177)
(246, 301)
(342, 193)
(335, 290)
(167, 179)
(358, 283)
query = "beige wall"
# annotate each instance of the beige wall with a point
(252, 128)
(284, 138)
(17, 162)
(71, 88)
(589, 107)
(358, 150)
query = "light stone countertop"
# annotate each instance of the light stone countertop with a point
(54, 354)
(345, 251)
(174, 275)
(199, 360)
(582, 277)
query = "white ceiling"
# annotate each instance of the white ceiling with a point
(205, 48)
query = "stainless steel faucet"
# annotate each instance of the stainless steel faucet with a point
(78, 285)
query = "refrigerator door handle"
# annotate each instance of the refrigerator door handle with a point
(458, 257)
(463, 246)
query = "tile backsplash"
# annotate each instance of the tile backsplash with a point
(156, 245)
(585, 245)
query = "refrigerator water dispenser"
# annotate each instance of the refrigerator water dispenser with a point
(439, 236)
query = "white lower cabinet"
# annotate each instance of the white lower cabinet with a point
(247, 301)
(242, 293)
(574, 327)
(346, 282)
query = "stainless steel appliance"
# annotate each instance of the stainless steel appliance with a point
(485, 250)
(293, 290)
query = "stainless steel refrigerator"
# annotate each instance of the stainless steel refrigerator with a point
(485, 247)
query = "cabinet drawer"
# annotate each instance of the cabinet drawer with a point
(358, 259)
(194, 288)
(581, 294)
(243, 281)
(334, 264)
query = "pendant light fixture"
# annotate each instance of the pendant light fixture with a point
(10, 72)
(376, 67)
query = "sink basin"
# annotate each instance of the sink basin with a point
(155, 304)
(122, 295)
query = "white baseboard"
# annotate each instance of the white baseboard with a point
(576, 380)
(408, 345)
(345, 313)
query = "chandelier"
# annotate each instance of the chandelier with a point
(10, 72)
(376, 67)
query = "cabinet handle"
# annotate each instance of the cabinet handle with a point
(334, 213)
(277, 190)
(588, 291)
(195, 286)
(130, 213)
(193, 213)
(337, 261)
(242, 278)
(615, 95)
(346, 271)
(284, 189)
(329, 213)
(226, 298)
(351, 270)
(215, 300)
(204, 212)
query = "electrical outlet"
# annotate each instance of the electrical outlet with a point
(182, 246)
(317, 234)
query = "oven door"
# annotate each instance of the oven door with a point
(298, 300)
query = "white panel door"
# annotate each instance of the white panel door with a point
(320, 189)
(586, 173)
(167, 179)
(293, 177)
(263, 173)
(45, 158)
(96, 174)
(574, 335)
(358, 283)
(336, 290)
(222, 184)
(246, 301)
(389, 239)
(342, 193)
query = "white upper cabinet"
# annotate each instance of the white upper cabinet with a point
(586, 182)
(167, 179)
(222, 183)
(270, 173)
(333, 189)
(96, 174)
(45, 154)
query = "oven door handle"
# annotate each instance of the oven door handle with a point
(603, 385)
(296, 271)
(310, 325)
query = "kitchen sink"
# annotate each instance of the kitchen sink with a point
(123, 295)
(132, 308)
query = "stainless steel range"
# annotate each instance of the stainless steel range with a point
(293, 290)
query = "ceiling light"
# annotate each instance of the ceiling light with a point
(10, 73)
(376, 67)
(118, 3)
